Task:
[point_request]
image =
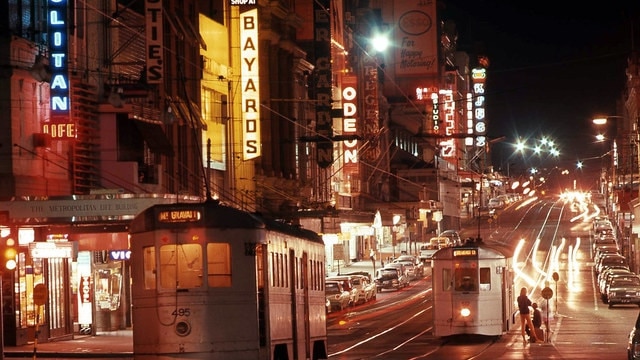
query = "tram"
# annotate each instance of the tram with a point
(472, 290)
(214, 282)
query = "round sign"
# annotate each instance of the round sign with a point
(547, 293)
(40, 294)
(555, 276)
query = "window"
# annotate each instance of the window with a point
(219, 265)
(446, 280)
(485, 279)
(149, 254)
(466, 279)
(181, 266)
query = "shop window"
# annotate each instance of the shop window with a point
(219, 265)
(181, 266)
(108, 287)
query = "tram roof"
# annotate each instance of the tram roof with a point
(212, 214)
(485, 250)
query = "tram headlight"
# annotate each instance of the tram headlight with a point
(465, 312)
(183, 328)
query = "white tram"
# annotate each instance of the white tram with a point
(214, 282)
(472, 290)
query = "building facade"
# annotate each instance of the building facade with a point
(278, 107)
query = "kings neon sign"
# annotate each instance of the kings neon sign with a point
(60, 125)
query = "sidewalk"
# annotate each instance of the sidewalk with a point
(113, 344)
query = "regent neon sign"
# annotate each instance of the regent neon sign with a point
(60, 125)
(250, 71)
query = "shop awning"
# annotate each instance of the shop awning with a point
(155, 137)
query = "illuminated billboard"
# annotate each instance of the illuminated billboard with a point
(416, 36)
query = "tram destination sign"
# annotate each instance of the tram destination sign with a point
(465, 252)
(179, 216)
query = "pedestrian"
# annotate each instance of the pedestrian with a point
(536, 319)
(525, 315)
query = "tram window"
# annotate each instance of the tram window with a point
(149, 267)
(181, 266)
(219, 265)
(485, 279)
(466, 279)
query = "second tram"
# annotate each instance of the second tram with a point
(472, 290)
(214, 282)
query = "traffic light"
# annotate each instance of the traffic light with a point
(9, 251)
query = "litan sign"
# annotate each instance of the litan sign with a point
(60, 125)
(250, 72)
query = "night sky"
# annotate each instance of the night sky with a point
(553, 66)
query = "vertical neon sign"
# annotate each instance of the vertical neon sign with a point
(350, 123)
(323, 88)
(60, 125)
(155, 54)
(478, 76)
(250, 75)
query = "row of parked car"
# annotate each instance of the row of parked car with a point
(357, 288)
(616, 282)
(349, 290)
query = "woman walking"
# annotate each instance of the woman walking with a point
(525, 315)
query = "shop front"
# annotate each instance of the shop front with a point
(74, 255)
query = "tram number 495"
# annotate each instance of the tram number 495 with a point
(181, 312)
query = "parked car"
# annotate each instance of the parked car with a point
(417, 264)
(611, 261)
(403, 274)
(495, 203)
(624, 290)
(410, 268)
(609, 241)
(435, 243)
(347, 284)
(387, 279)
(608, 278)
(453, 235)
(366, 288)
(633, 343)
(338, 297)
